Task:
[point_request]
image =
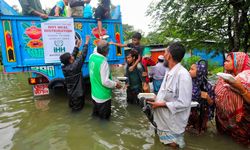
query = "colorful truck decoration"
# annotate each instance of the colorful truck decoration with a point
(22, 47)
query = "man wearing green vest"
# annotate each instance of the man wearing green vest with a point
(101, 82)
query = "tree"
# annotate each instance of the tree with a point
(128, 32)
(224, 24)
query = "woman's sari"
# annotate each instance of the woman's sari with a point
(232, 112)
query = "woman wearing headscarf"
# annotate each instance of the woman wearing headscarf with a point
(203, 93)
(233, 99)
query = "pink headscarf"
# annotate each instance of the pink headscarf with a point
(229, 103)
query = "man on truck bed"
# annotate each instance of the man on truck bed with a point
(72, 70)
(60, 9)
(77, 6)
(32, 8)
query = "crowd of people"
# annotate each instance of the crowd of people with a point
(77, 8)
(175, 87)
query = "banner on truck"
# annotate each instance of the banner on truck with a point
(58, 38)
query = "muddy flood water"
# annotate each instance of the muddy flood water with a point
(46, 123)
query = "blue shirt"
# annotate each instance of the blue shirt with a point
(61, 5)
(87, 13)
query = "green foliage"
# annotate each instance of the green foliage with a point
(200, 23)
(128, 31)
(217, 70)
(213, 67)
(155, 38)
(187, 62)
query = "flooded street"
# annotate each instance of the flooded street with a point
(46, 123)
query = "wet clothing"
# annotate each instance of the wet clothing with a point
(101, 85)
(76, 103)
(102, 110)
(28, 6)
(74, 80)
(232, 111)
(157, 72)
(132, 95)
(135, 80)
(62, 11)
(100, 78)
(168, 137)
(176, 91)
(203, 112)
(197, 122)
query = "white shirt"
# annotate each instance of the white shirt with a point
(158, 71)
(176, 90)
(105, 73)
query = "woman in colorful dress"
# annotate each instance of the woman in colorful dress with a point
(233, 99)
(203, 93)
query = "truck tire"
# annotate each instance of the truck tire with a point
(57, 83)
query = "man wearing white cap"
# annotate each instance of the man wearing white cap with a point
(157, 73)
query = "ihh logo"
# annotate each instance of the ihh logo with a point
(59, 48)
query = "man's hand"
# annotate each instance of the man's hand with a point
(204, 95)
(87, 39)
(111, 43)
(44, 16)
(78, 43)
(157, 104)
(118, 85)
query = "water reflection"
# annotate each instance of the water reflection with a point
(47, 123)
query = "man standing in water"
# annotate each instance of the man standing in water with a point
(101, 83)
(173, 102)
(157, 72)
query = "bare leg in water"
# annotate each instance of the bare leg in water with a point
(99, 24)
